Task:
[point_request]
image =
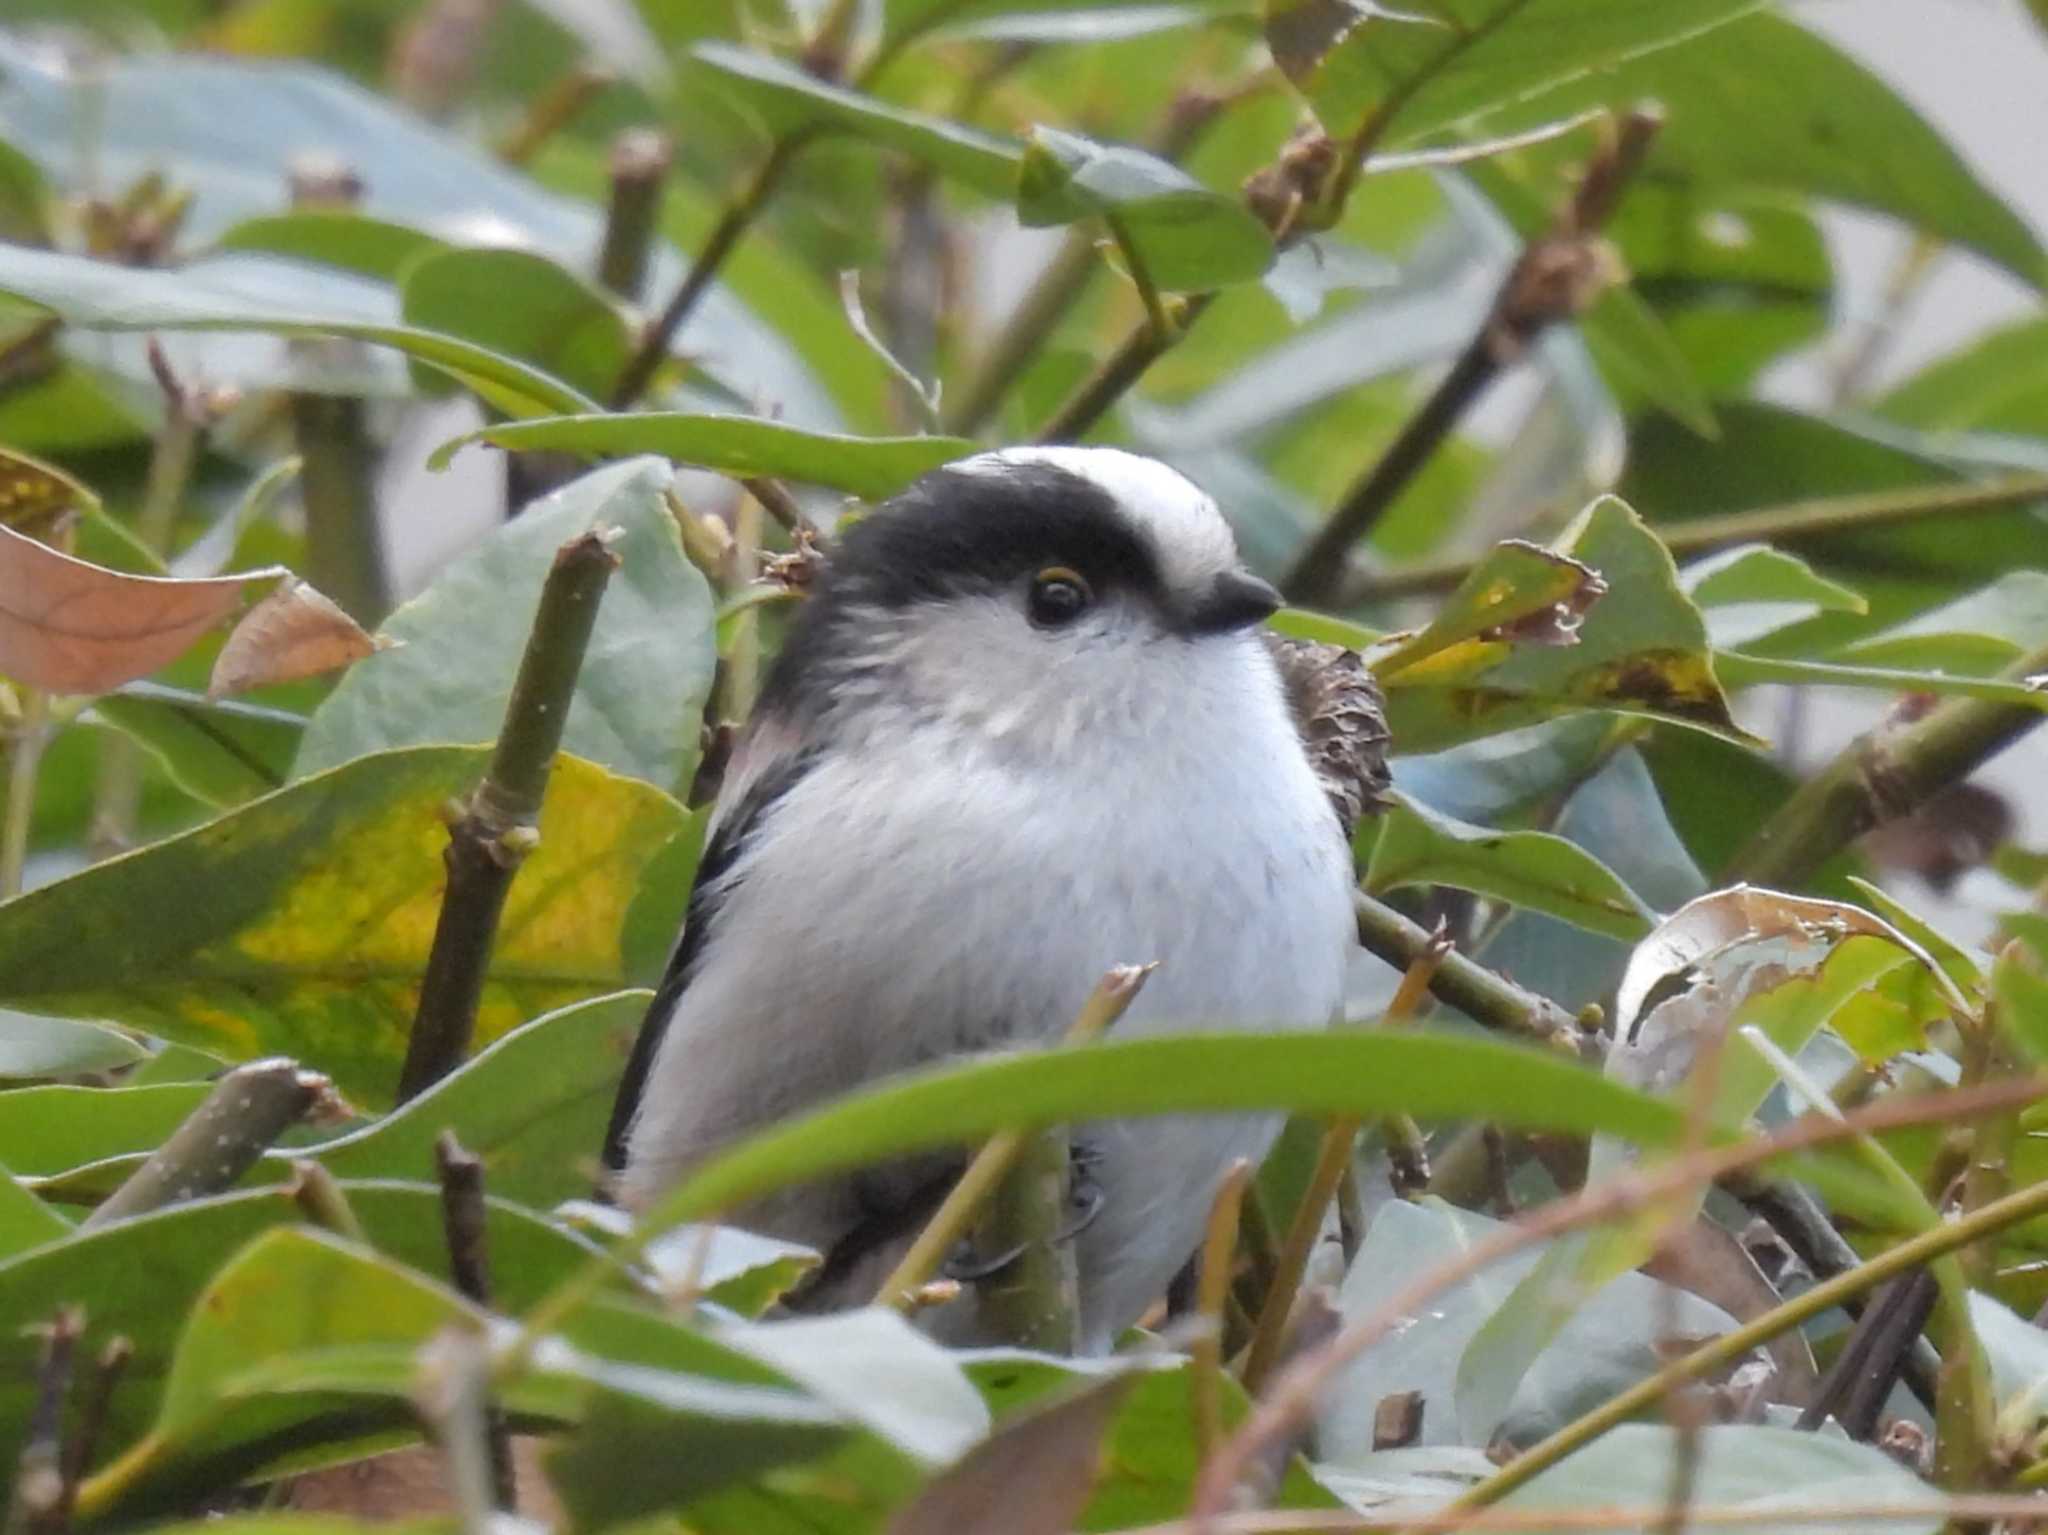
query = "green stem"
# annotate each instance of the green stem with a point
(1481, 994)
(639, 171)
(1533, 296)
(654, 347)
(1059, 286)
(498, 826)
(344, 543)
(1124, 367)
(1001, 1154)
(1141, 276)
(222, 1139)
(26, 741)
(1792, 523)
(1939, 1242)
(1889, 772)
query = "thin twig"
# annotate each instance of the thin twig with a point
(1795, 522)
(654, 346)
(321, 1199)
(1212, 1287)
(117, 791)
(1056, 288)
(38, 1501)
(1886, 773)
(453, 1392)
(1606, 1516)
(1481, 994)
(500, 820)
(1557, 275)
(639, 173)
(91, 1423)
(1113, 994)
(1033, 1300)
(464, 1225)
(1332, 1158)
(26, 739)
(553, 111)
(1123, 368)
(1291, 1401)
(1860, 1381)
(223, 1138)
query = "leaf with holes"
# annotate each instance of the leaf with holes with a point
(1645, 654)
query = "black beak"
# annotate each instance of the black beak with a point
(1237, 600)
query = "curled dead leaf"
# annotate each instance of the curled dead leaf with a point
(1744, 914)
(70, 626)
(294, 632)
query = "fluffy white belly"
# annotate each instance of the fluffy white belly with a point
(897, 917)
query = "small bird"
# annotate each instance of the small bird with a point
(1023, 729)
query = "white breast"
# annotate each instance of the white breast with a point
(931, 893)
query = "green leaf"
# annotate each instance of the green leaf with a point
(139, 1278)
(786, 100)
(1414, 72)
(219, 751)
(1745, 1468)
(1353, 1074)
(1151, 1454)
(1741, 669)
(137, 112)
(354, 242)
(33, 1047)
(25, 1221)
(237, 293)
(1998, 383)
(290, 1295)
(299, 924)
(1958, 963)
(1606, 1349)
(898, 1404)
(1189, 238)
(1739, 278)
(742, 446)
(2022, 996)
(1633, 347)
(1640, 651)
(48, 1130)
(1725, 93)
(1626, 337)
(1510, 585)
(1754, 590)
(24, 198)
(1975, 635)
(903, 20)
(639, 698)
(521, 305)
(533, 1106)
(1532, 869)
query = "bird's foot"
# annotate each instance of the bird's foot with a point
(1085, 1200)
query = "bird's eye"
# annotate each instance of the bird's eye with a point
(1058, 596)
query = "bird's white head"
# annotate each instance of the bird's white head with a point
(1036, 595)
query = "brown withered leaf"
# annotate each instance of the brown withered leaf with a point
(1055, 1452)
(294, 632)
(70, 626)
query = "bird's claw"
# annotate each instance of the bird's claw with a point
(1086, 1200)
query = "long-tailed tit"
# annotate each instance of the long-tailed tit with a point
(1023, 729)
